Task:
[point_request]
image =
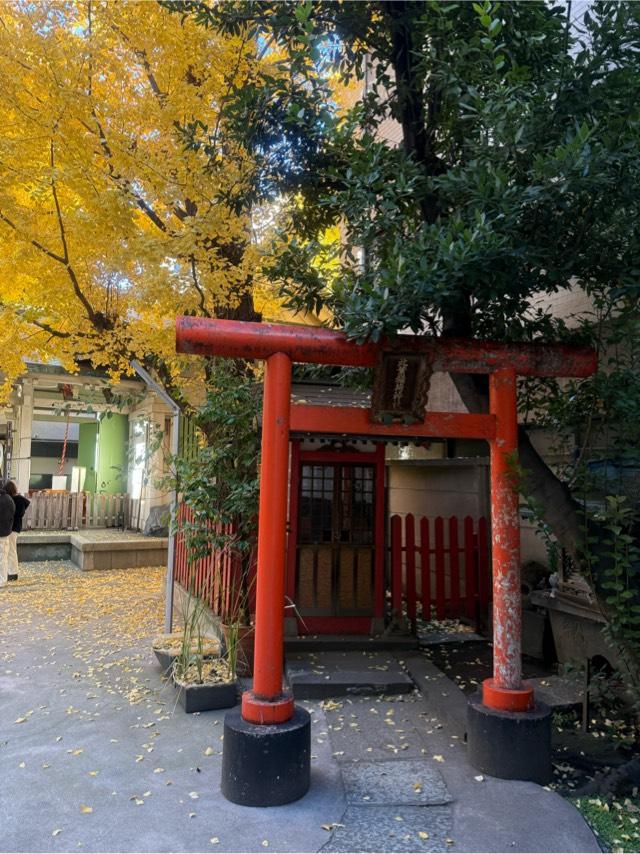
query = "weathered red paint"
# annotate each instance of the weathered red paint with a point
(505, 533)
(351, 420)
(266, 704)
(237, 339)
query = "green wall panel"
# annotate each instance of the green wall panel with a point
(113, 438)
(88, 434)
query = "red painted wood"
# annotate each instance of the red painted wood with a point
(425, 558)
(396, 565)
(484, 577)
(380, 517)
(294, 504)
(335, 626)
(243, 340)
(440, 577)
(217, 576)
(470, 585)
(454, 566)
(351, 420)
(363, 458)
(272, 543)
(410, 568)
(505, 533)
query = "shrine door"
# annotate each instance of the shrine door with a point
(335, 550)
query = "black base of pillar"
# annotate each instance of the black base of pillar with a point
(510, 745)
(265, 766)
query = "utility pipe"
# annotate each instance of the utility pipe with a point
(175, 429)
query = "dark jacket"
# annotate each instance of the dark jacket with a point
(21, 505)
(7, 512)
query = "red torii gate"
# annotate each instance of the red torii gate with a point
(279, 346)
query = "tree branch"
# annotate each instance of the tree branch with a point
(55, 333)
(33, 242)
(91, 314)
(194, 276)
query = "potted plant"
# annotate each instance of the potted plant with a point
(168, 647)
(204, 681)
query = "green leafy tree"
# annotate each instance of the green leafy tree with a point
(515, 178)
(219, 482)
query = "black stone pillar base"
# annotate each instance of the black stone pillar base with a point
(510, 745)
(266, 765)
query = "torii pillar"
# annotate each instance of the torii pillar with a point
(266, 754)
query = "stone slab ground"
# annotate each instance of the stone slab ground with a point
(96, 755)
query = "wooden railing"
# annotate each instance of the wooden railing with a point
(70, 511)
(441, 565)
(217, 577)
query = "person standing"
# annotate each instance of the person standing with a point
(21, 504)
(7, 512)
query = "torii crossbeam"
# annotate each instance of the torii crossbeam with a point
(280, 346)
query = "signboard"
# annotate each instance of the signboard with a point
(400, 387)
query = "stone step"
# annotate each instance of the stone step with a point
(436, 638)
(314, 676)
(364, 643)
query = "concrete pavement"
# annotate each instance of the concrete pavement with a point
(95, 755)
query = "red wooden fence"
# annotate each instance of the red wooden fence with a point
(216, 578)
(444, 566)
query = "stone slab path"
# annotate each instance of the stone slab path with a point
(96, 755)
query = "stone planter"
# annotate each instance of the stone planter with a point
(166, 649)
(206, 697)
(165, 659)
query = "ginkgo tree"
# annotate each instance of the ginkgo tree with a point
(110, 223)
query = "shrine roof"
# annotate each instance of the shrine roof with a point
(325, 394)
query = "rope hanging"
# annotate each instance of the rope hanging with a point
(67, 394)
(63, 458)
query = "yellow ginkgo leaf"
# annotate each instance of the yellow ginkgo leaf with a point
(85, 809)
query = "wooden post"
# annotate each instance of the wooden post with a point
(506, 690)
(267, 704)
